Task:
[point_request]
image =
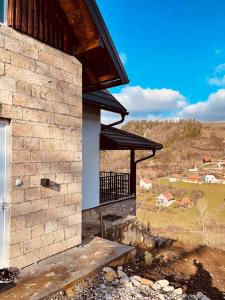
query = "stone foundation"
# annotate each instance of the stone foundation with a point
(121, 208)
(41, 96)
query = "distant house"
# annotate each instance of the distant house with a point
(172, 179)
(185, 203)
(195, 169)
(146, 184)
(165, 199)
(206, 159)
(195, 178)
(210, 179)
(175, 177)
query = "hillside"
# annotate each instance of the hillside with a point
(185, 143)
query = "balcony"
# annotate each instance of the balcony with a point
(114, 186)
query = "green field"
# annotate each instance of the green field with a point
(185, 224)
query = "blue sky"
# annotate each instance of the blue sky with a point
(173, 52)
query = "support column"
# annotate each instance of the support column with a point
(132, 172)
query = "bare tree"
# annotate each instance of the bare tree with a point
(202, 207)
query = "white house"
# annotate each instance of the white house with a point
(210, 179)
(165, 199)
(146, 184)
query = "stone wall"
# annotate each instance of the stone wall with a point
(41, 95)
(121, 208)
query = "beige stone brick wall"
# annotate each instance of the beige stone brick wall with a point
(41, 95)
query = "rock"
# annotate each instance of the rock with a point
(108, 269)
(204, 297)
(161, 297)
(145, 281)
(107, 296)
(199, 295)
(163, 282)
(110, 274)
(192, 297)
(168, 288)
(120, 268)
(135, 282)
(103, 286)
(128, 284)
(124, 279)
(138, 278)
(120, 273)
(148, 258)
(156, 286)
(178, 291)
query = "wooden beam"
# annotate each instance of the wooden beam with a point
(24, 15)
(10, 12)
(18, 16)
(30, 28)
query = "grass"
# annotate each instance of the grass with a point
(184, 224)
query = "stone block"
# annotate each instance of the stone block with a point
(51, 226)
(7, 83)
(28, 51)
(33, 257)
(42, 68)
(30, 114)
(20, 209)
(35, 218)
(20, 235)
(23, 88)
(70, 231)
(17, 222)
(22, 61)
(56, 201)
(5, 56)
(37, 230)
(16, 250)
(17, 196)
(19, 99)
(32, 194)
(12, 44)
(6, 97)
(30, 168)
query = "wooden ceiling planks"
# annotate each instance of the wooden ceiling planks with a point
(69, 26)
(42, 19)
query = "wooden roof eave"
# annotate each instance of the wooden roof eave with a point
(77, 28)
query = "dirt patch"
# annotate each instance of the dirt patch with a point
(195, 268)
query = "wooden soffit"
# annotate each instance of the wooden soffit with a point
(77, 28)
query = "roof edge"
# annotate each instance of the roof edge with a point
(101, 26)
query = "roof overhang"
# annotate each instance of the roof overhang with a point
(117, 139)
(104, 100)
(77, 28)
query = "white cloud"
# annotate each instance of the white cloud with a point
(220, 68)
(218, 79)
(213, 109)
(123, 58)
(152, 101)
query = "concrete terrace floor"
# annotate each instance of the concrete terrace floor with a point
(64, 269)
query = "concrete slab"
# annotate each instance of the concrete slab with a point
(61, 271)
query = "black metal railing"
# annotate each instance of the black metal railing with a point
(114, 186)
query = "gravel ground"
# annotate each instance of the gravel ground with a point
(115, 284)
